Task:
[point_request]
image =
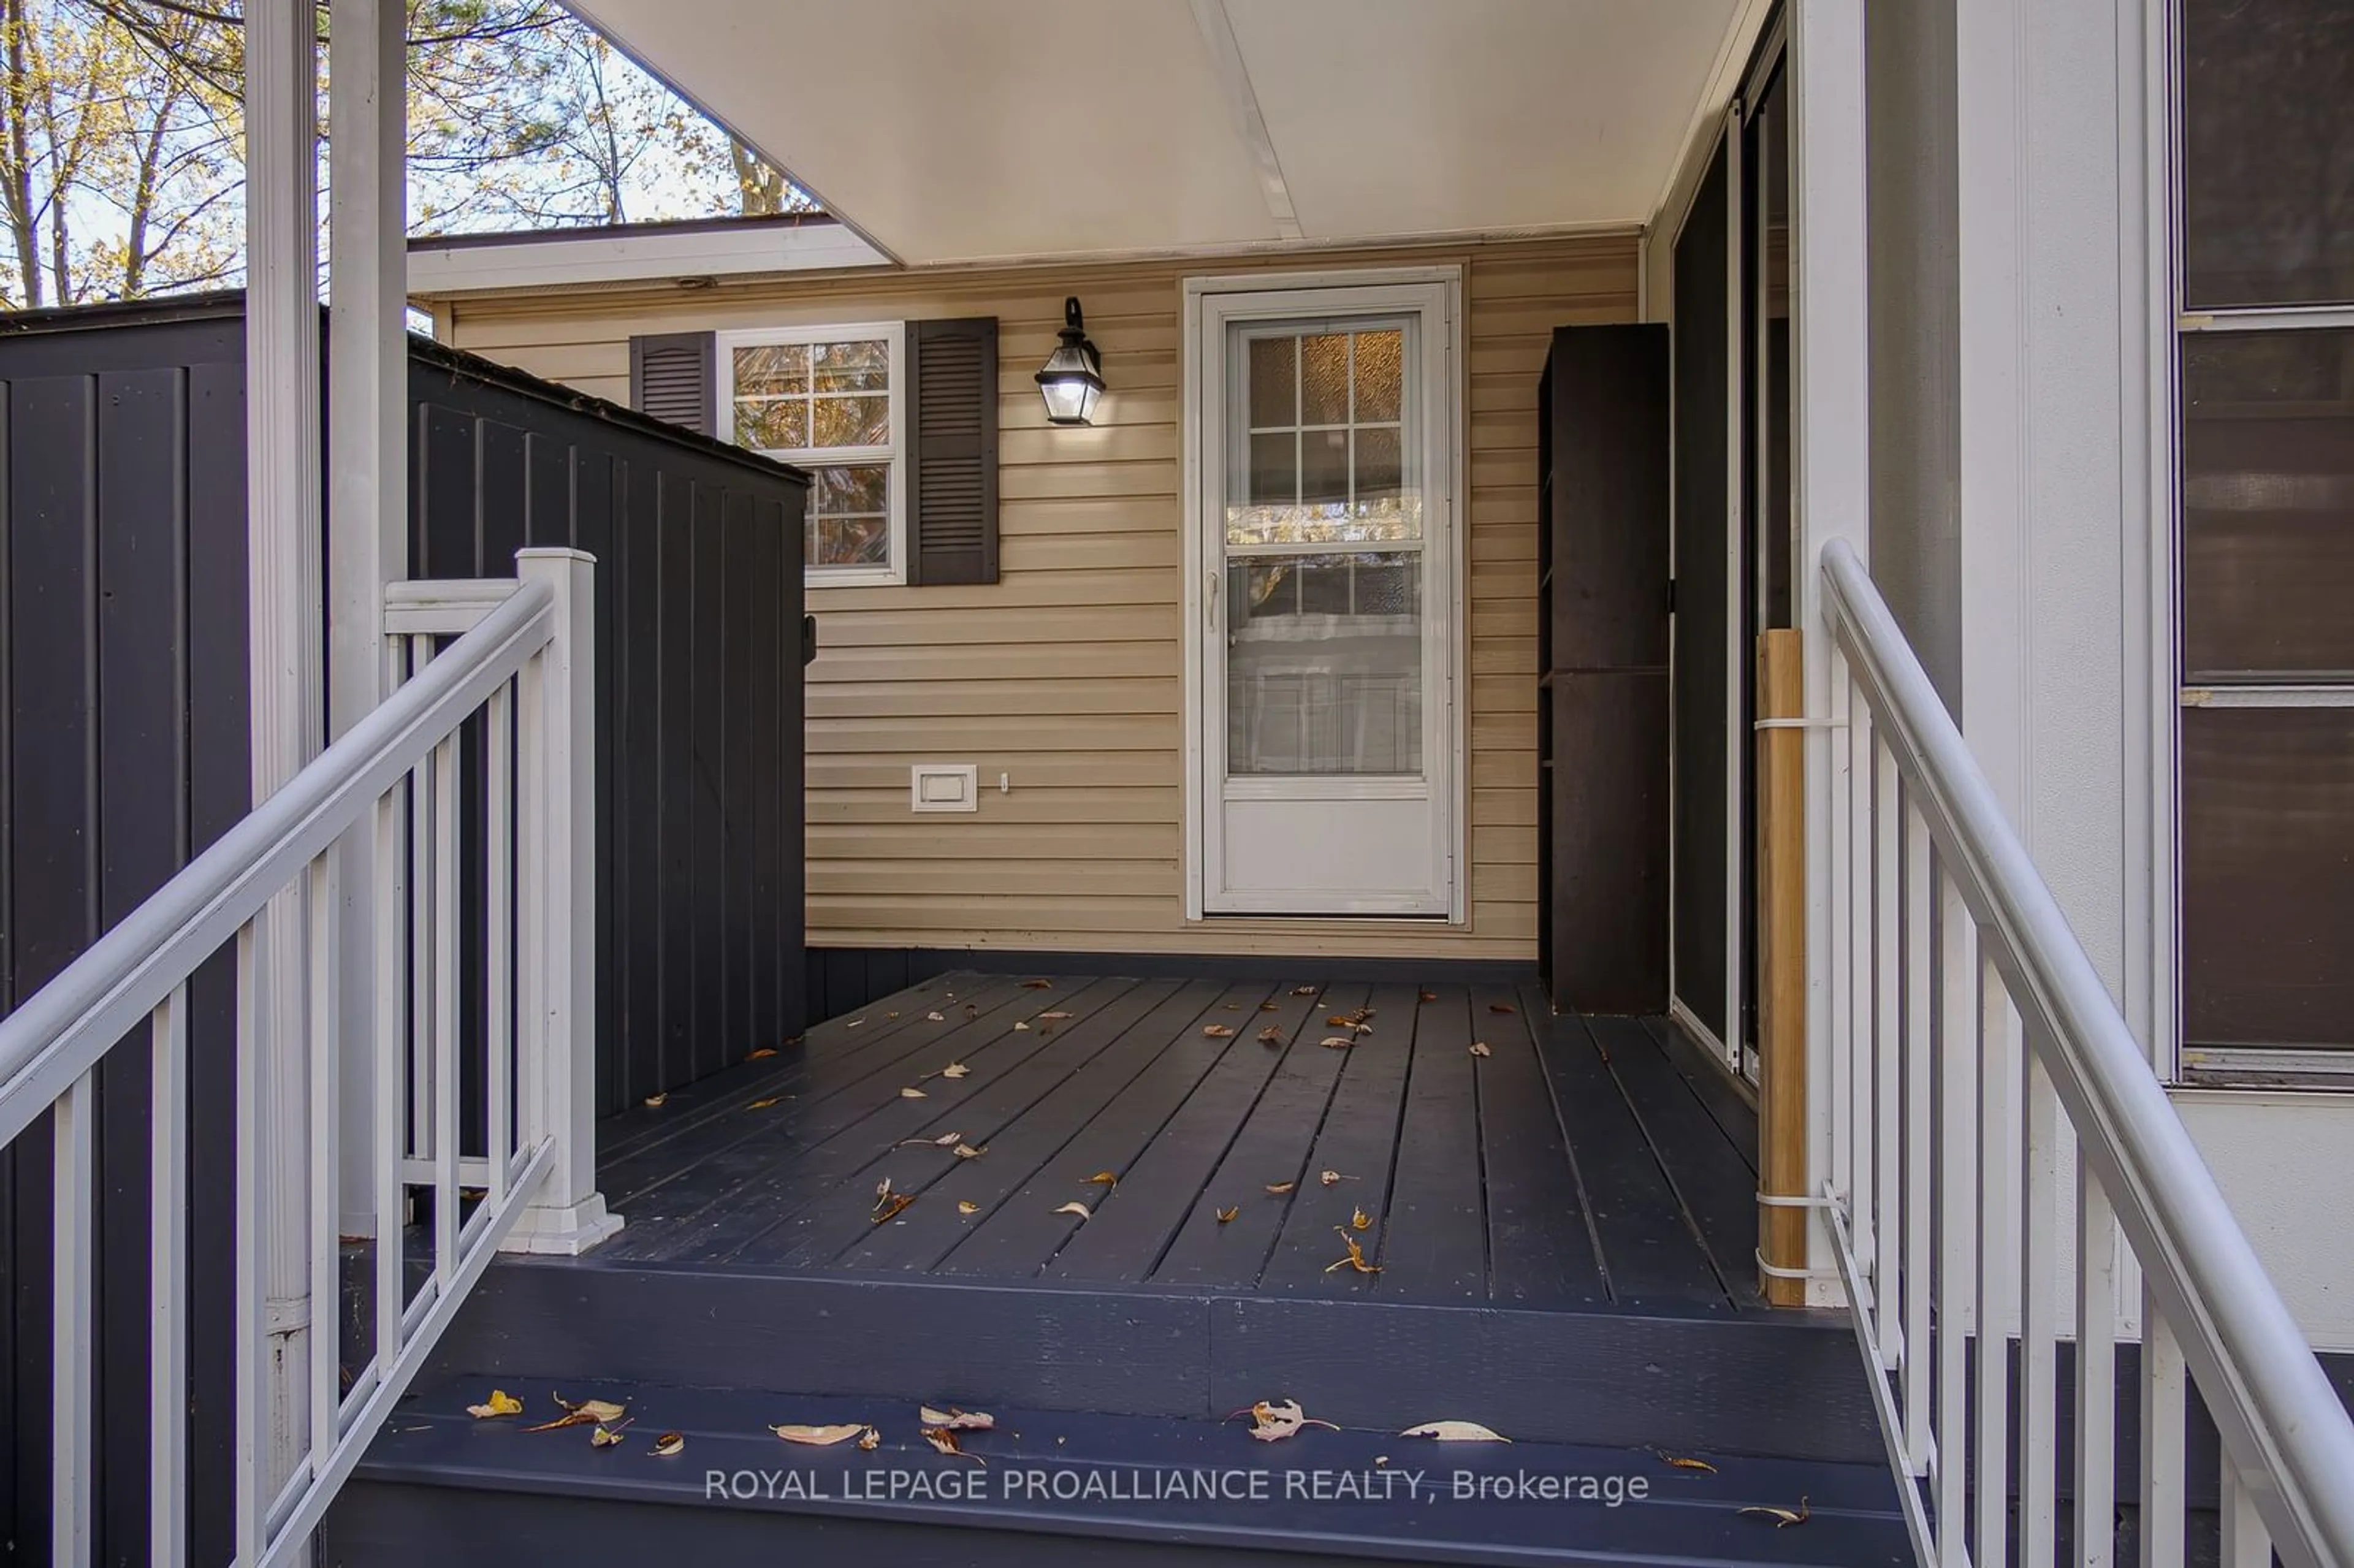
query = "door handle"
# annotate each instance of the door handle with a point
(1210, 589)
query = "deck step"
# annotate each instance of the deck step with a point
(1057, 1487)
(1781, 1385)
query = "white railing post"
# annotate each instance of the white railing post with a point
(556, 927)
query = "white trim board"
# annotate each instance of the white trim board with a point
(538, 261)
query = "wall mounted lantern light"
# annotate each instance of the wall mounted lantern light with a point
(1073, 379)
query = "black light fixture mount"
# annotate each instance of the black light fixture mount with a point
(1073, 380)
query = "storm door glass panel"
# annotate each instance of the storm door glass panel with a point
(2267, 152)
(2268, 876)
(1324, 642)
(2268, 506)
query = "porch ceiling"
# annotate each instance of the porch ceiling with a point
(949, 131)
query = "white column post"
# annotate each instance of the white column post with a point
(556, 911)
(1830, 457)
(367, 510)
(286, 656)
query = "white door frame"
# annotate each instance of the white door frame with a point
(1439, 292)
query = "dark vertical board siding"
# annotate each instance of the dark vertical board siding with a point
(52, 792)
(1703, 475)
(124, 723)
(220, 791)
(674, 743)
(737, 852)
(706, 733)
(142, 809)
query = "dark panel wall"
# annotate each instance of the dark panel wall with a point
(123, 751)
(1702, 478)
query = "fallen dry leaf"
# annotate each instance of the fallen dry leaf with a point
(1216, 1031)
(1226, 1216)
(1479, 1048)
(1019, 1024)
(1281, 1188)
(1105, 1179)
(1338, 1041)
(606, 1436)
(654, 1101)
(955, 1420)
(935, 1017)
(893, 1206)
(967, 1151)
(1783, 1517)
(750, 1056)
(882, 1191)
(500, 1402)
(669, 1443)
(1080, 1209)
(945, 1140)
(588, 1413)
(1501, 1007)
(955, 1070)
(972, 1011)
(1681, 1463)
(1037, 985)
(1455, 1432)
(860, 1023)
(1332, 1178)
(1303, 991)
(820, 1437)
(1270, 1035)
(911, 1092)
(1271, 1007)
(945, 1439)
(1361, 1221)
(870, 1439)
(1356, 1257)
(762, 1105)
(1430, 996)
(887, 1016)
(1054, 1017)
(967, 1206)
(1272, 1421)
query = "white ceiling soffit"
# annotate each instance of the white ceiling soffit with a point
(975, 130)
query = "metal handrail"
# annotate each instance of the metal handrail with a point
(62, 1030)
(2280, 1419)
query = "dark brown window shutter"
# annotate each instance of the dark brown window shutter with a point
(672, 378)
(952, 451)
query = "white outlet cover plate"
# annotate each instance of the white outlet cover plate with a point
(943, 787)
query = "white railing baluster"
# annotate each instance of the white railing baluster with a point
(2014, 1036)
(73, 1135)
(249, 1335)
(2097, 1373)
(419, 1142)
(1997, 1211)
(2165, 1382)
(327, 1090)
(2039, 1331)
(2246, 1544)
(1957, 1143)
(167, 1282)
(1887, 944)
(1844, 1023)
(444, 1102)
(391, 1059)
(1920, 1229)
(498, 935)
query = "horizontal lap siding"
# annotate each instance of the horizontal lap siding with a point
(1066, 676)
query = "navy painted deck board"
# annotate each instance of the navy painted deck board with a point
(1545, 1175)
(1650, 1251)
(1540, 1248)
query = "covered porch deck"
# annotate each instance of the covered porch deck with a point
(1474, 1148)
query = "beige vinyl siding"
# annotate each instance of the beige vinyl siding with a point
(1066, 676)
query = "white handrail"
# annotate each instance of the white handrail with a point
(2288, 1441)
(517, 685)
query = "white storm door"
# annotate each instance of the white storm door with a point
(1323, 548)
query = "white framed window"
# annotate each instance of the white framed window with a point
(830, 398)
